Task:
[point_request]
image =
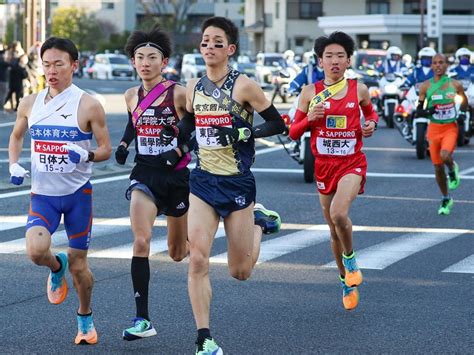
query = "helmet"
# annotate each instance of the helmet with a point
(426, 52)
(393, 52)
(289, 54)
(463, 55)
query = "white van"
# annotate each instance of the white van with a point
(193, 67)
(112, 66)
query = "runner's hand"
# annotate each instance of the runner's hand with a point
(121, 154)
(76, 154)
(227, 136)
(316, 113)
(168, 133)
(17, 174)
(170, 159)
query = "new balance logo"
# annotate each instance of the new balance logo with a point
(350, 105)
(181, 206)
(167, 111)
(66, 116)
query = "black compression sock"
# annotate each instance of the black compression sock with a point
(203, 333)
(140, 280)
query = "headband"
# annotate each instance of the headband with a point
(148, 44)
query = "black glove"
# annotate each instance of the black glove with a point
(121, 154)
(168, 133)
(227, 136)
(169, 159)
(425, 113)
(461, 116)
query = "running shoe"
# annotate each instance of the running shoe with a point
(57, 285)
(142, 328)
(445, 207)
(270, 221)
(353, 273)
(209, 347)
(86, 333)
(453, 178)
(350, 296)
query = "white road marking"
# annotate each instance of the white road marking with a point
(465, 266)
(382, 255)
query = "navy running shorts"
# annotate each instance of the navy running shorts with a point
(225, 194)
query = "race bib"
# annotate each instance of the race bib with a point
(149, 142)
(332, 146)
(51, 157)
(444, 112)
(205, 133)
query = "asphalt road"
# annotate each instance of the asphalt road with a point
(418, 266)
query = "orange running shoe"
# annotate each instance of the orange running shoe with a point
(56, 286)
(350, 296)
(353, 275)
(86, 333)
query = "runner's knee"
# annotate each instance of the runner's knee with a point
(445, 156)
(198, 262)
(339, 217)
(240, 272)
(141, 245)
(177, 251)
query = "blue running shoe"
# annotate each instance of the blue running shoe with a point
(86, 333)
(353, 273)
(209, 347)
(56, 287)
(350, 295)
(269, 220)
(142, 328)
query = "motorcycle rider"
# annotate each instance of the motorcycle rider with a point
(439, 93)
(310, 74)
(393, 62)
(424, 71)
(464, 69)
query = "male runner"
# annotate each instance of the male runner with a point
(220, 110)
(154, 188)
(62, 120)
(333, 116)
(443, 130)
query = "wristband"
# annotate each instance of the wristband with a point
(90, 157)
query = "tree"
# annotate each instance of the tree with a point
(78, 26)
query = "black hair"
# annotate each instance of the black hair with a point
(63, 44)
(337, 37)
(155, 35)
(230, 29)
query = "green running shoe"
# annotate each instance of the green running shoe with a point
(445, 207)
(209, 347)
(453, 178)
(270, 221)
(142, 328)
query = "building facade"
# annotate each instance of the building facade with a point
(276, 25)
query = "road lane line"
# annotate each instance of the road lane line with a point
(276, 247)
(465, 266)
(382, 255)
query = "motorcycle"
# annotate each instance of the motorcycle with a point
(281, 83)
(299, 150)
(466, 126)
(390, 95)
(413, 129)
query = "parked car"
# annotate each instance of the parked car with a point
(267, 66)
(173, 70)
(245, 66)
(193, 66)
(111, 66)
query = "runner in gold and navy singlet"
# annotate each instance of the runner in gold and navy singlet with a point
(442, 134)
(330, 109)
(219, 110)
(155, 188)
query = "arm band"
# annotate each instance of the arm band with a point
(129, 133)
(369, 113)
(186, 127)
(299, 125)
(274, 124)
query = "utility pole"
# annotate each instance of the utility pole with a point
(421, 40)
